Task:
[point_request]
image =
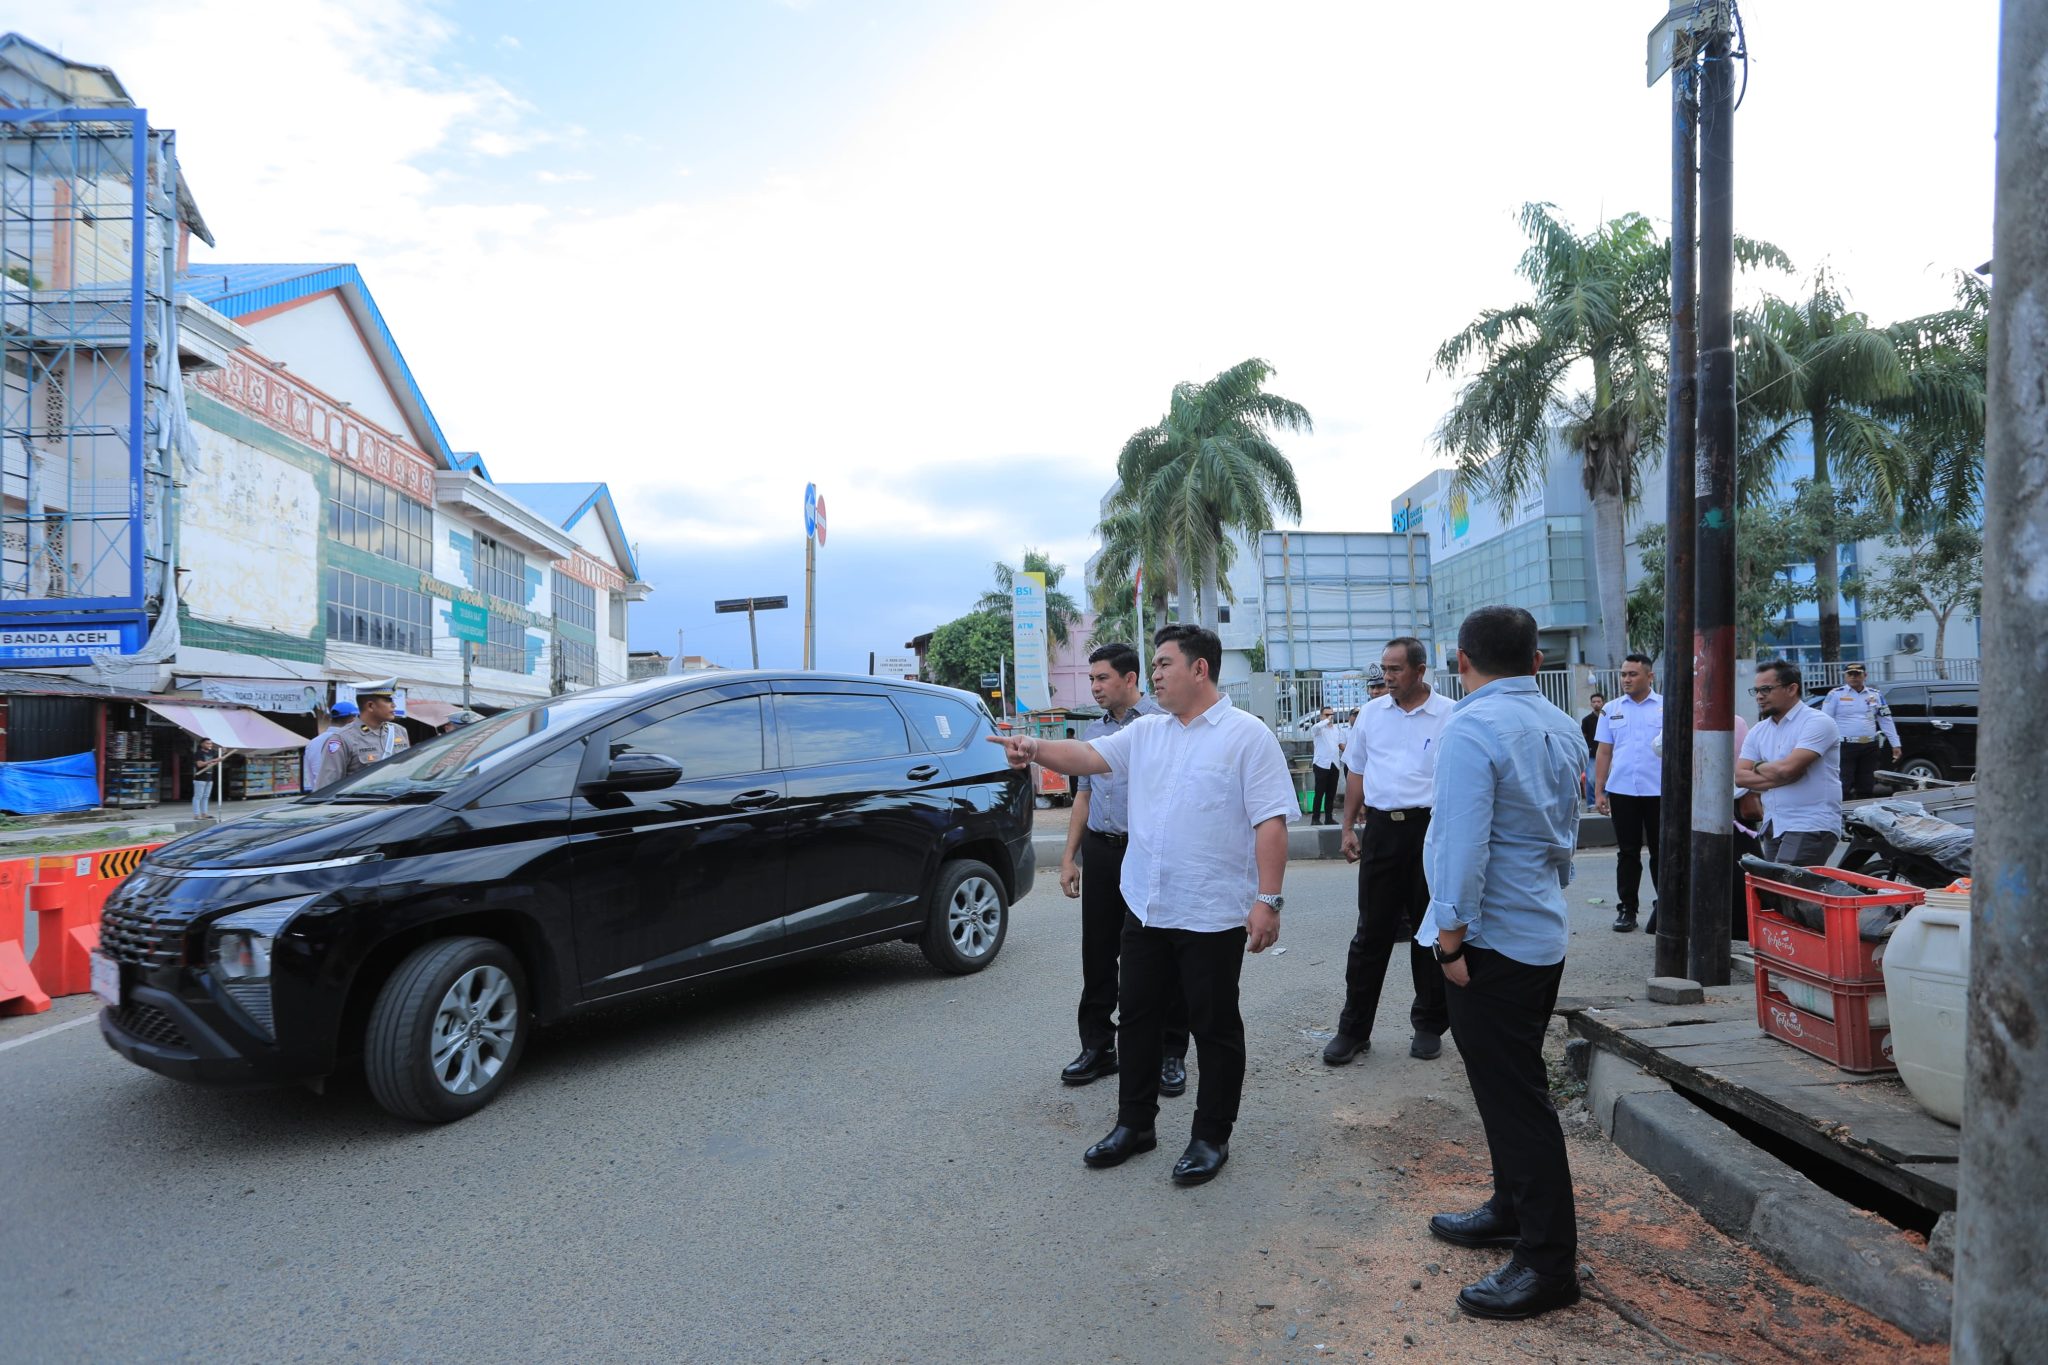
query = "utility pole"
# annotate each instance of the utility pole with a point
(810, 595)
(2001, 1237)
(1712, 883)
(1674, 835)
(468, 653)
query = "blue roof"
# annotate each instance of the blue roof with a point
(239, 290)
(566, 503)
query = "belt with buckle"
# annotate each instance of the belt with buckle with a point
(1867, 739)
(1118, 839)
(1405, 813)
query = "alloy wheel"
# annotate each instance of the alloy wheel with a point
(475, 1027)
(974, 917)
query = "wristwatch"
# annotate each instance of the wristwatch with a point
(1442, 956)
(1276, 900)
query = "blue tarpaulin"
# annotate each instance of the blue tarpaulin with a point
(50, 784)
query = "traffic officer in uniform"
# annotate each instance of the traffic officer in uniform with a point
(369, 740)
(1860, 714)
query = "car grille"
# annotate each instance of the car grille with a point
(150, 1024)
(136, 938)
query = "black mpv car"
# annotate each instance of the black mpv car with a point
(429, 912)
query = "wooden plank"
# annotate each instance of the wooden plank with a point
(1757, 1049)
(1635, 1018)
(1691, 1035)
(1942, 1173)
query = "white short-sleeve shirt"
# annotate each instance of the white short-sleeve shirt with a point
(1632, 728)
(1394, 751)
(1813, 804)
(1197, 791)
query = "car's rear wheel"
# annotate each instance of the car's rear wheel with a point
(447, 1030)
(969, 918)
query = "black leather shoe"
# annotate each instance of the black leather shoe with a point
(1426, 1046)
(1515, 1291)
(1340, 1050)
(1173, 1077)
(1092, 1065)
(1120, 1146)
(1199, 1163)
(1625, 922)
(1480, 1228)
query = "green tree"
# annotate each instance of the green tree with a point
(1938, 571)
(1895, 414)
(1599, 311)
(1208, 467)
(1061, 613)
(967, 647)
(1774, 543)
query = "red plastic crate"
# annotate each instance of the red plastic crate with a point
(1849, 1040)
(1840, 954)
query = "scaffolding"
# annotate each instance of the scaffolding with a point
(88, 345)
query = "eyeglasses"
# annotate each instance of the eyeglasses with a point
(1766, 691)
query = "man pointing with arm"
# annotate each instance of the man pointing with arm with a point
(1209, 802)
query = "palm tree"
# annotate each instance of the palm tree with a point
(1599, 310)
(1819, 365)
(1061, 613)
(1941, 416)
(1209, 467)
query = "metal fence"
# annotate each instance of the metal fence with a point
(1953, 670)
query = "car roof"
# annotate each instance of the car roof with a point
(632, 696)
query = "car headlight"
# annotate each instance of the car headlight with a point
(239, 950)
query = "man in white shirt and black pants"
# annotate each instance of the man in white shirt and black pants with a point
(1210, 798)
(1326, 732)
(1628, 781)
(1859, 712)
(1793, 756)
(1390, 790)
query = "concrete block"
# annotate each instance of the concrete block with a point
(1702, 1160)
(1675, 990)
(1608, 1078)
(1859, 1256)
(1578, 1057)
(1596, 831)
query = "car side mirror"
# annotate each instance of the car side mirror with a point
(635, 771)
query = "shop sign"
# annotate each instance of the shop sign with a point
(33, 642)
(288, 698)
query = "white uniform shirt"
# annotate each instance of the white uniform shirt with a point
(1632, 728)
(1860, 716)
(1328, 735)
(1813, 804)
(1395, 751)
(1197, 791)
(309, 763)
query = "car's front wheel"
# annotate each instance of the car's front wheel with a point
(969, 918)
(1920, 765)
(447, 1030)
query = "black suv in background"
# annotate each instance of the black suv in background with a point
(1937, 727)
(427, 913)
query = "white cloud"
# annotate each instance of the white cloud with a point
(1067, 209)
(562, 177)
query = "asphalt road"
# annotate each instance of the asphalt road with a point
(851, 1160)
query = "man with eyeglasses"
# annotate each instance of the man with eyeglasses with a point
(1793, 757)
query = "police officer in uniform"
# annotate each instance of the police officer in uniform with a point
(1860, 714)
(369, 740)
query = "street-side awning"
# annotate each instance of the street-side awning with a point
(231, 727)
(427, 712)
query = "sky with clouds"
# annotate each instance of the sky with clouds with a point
(941, 258)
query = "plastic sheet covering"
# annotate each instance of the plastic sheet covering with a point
(49, 785)
(1908, 827)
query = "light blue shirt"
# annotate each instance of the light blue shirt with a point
(1499, 852)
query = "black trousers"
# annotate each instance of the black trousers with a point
(1860, 763)
(1205, 968)
(1636, 821)
(1499, 1020)
(1393, 894)
(1323, 812)
(1103, 913)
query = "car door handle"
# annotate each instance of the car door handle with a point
(923, 772)
(755, 800)
(1944, 725)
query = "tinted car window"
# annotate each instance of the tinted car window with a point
(710, 741)
(944, 723)
(550, 779)
(838, 727)
(1955, 701)
(1909, 699)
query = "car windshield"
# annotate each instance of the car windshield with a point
(440, 764)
